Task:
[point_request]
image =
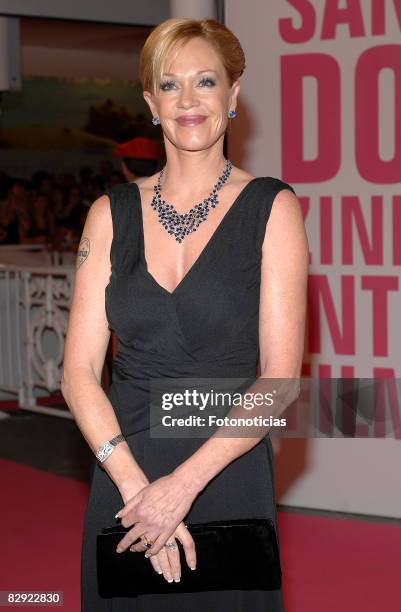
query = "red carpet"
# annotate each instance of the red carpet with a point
(56, 399)
(340, 565)
(41, 536)
(329, 565)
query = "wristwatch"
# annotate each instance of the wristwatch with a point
(107, 448)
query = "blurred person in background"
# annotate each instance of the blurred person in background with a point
(85, 174)
(65, 180)
(42, 182)
(116, 178)
(72, 200)
(14, 212)
(4, 183)
(58, 197)
(140, 157)
(41, 222)
(74, 213)
(96, 190)
(86, 179)
(106, 169)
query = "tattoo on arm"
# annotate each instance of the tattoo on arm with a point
(83, 251)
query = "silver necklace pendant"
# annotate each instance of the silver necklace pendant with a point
(181, 225)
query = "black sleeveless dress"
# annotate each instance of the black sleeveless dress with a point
(207, 327)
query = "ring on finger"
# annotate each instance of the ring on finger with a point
(170, 545)
(146, 542)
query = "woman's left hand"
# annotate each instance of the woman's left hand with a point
(155, 511)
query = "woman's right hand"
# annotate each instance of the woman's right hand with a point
(167, 561)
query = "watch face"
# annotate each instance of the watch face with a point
(104, 452)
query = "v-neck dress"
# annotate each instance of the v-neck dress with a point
(207, 327)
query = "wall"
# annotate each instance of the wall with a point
(77, 50)
(353, 475)
(119, 11)
(78, 63)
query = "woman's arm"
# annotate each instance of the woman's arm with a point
(85, 349)
(282, 315)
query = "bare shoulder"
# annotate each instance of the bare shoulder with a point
(286, 225)
(99, 214)
(100, 208)
(286, 207)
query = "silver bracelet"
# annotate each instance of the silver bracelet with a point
(107, 448)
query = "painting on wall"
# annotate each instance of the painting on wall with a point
(64, 123)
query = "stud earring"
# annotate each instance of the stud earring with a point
(155, 120)
(232, 114)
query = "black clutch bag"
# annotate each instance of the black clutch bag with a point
(237, 554)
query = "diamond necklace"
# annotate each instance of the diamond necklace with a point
(180, 225)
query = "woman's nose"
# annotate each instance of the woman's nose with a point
(187, 97)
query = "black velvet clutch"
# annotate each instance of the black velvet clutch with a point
(236, 554)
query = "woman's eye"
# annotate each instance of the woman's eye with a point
(166, 85)
(208, 82)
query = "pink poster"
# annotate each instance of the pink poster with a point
(340, 120)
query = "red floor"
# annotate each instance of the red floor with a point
(56, 399)
(340, 565)
(329, 564)
(41, 530)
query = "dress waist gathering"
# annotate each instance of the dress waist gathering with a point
(135, 373)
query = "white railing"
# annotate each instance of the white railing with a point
(34, 308)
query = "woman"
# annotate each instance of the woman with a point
(203, 304)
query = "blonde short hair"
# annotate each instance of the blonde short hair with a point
(173, 33)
